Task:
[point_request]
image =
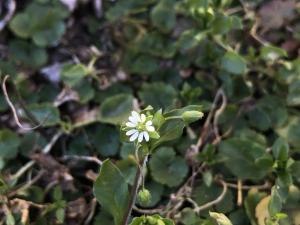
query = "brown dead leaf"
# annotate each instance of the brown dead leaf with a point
(66, 95)
(274, 14)
(261, 210)
(22, 207)
(91, 175)
(55, 172)
(77, 209)
(290, 45)
(85, 116)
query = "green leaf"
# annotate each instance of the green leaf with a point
(124, 8)
(140, 63)
(73, 74)
(167, 168)
(155, 44)
(293, 98)
(243, 158)
(85, 91)
(163, 15)
(46, 114)
(259, 119)
(165, 95)
(220, 218)
(151, 220)
(169, 131)
(49, 35)
(275, 203)
(103, 218)
(116, 109)
(280, 149)
(41, 21)
(224, 24)
(233, 63)
(291, 131)
(203, 194)
(9, 143)
(111, 190)
(179, 112)
(105, 139)
(189, 217)
(20, 25)
(27, 53)
(10, 220)
(60, 215)
(272, 53)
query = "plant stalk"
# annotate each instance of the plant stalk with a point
(134, 190)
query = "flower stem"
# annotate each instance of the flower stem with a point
(134, 190)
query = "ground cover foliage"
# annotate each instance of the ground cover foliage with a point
(78, 68)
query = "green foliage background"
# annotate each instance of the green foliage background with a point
(82, 75)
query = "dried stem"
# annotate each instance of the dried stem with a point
(214, 202)
(11, 6)
(83, 158)
(239, 192)
(45, 150)
(266, 185)
(147, 211)
(92, 212)
(13, 109)
(219, 95)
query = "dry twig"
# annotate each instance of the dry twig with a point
(11, 7)
(13, 109)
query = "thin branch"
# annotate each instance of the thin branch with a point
(37, 205)
(266, 185)
(214, 202)
(218, 113)
(22, 170)
(53, 140)
(31, 163)
(220, 94)
(239, 192)
(13, 109)
(11, 7)
(147, 211)
(83, 158)
(28, 184)
(92, 212)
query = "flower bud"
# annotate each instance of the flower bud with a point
(144, 197)
(192, 116)
(160, 222)
(151, 220)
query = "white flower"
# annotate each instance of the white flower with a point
(140, 127)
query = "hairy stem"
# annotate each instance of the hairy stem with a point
(134, 190)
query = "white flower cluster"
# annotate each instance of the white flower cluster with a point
(140, 127)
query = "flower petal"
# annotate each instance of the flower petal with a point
(143, 118)
(132, 120)
(149, 123)
(146, 136)
(129, 124)
(130, 132)
(136, 116)
(140, 137)
(150, 128)
(134, 136)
